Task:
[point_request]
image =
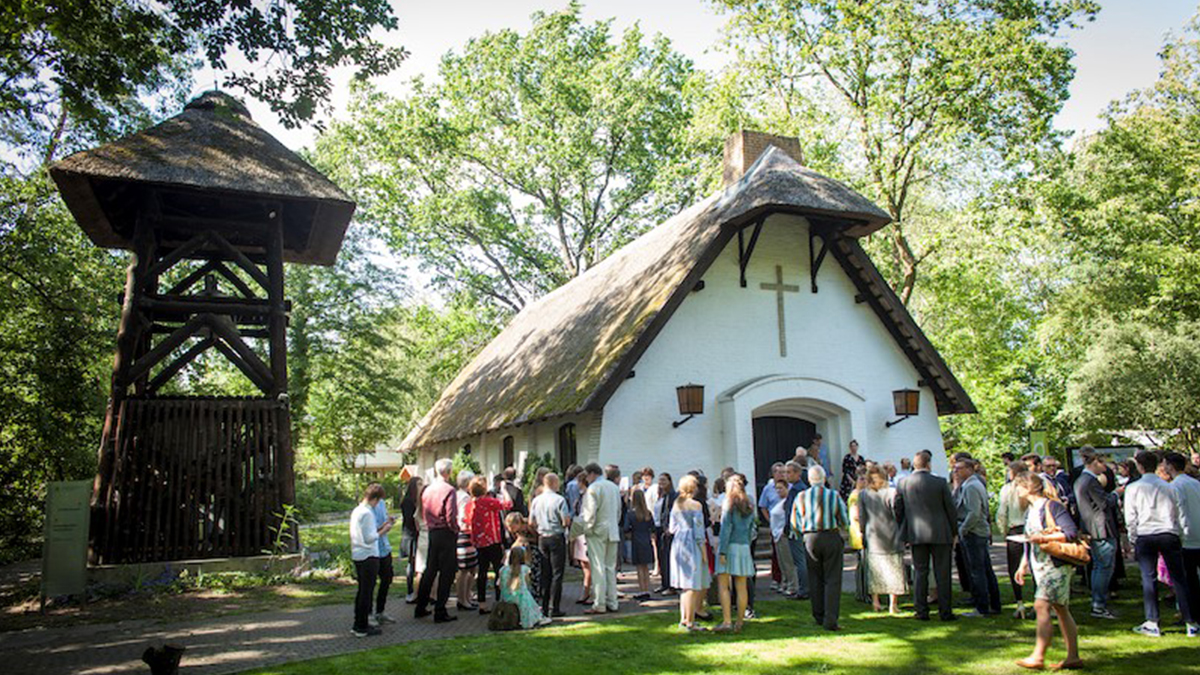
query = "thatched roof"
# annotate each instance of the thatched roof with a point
(567, 352)
(212, 150)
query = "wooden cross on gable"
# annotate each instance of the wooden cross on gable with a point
(780, 288)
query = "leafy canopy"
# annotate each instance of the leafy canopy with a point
(530, 159)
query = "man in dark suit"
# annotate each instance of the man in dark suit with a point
(927, 516)
(514, 492)
(1098, 518)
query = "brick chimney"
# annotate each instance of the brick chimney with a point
(743, 147)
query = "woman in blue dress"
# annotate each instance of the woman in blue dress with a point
(689, 563)
(734, 556)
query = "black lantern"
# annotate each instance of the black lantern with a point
(907, 403)
(691, 402)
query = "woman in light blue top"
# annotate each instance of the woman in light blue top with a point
(689, 562)
(735, 558)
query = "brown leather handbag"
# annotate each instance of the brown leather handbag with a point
(1076, 553)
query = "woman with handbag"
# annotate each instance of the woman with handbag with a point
(1050, 555)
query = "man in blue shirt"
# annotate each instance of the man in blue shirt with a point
(379, 509)
(794, 475)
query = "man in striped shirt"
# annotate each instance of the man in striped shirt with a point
(819, 513)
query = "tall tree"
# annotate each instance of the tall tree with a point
(528, 160)
(917, 81)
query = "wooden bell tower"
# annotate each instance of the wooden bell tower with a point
(211, 207)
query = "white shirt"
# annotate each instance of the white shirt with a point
(1150, 508)
(778, 519)
(364, 537)
(1187, 494)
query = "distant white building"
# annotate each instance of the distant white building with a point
(761, 294)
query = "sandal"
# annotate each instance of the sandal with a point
(1069, 665)
(1031, 665)
(723, 628)
(737, 627)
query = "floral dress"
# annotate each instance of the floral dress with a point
(850, 464)
(531, 613)
(1053, 579)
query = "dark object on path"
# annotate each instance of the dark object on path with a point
(163, 660)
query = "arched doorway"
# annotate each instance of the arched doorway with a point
(775, 440)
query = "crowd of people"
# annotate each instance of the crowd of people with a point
(700, 541)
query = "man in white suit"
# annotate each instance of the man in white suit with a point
(601, 521)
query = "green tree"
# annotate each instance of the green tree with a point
(530, 159)
(94, 58)
(1140, 377)
(915, 83)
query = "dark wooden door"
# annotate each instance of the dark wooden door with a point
(776, 440)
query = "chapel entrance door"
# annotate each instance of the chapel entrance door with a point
(776, 440)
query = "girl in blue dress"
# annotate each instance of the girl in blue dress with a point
(734, 556)
(689, 562)
(514, 588)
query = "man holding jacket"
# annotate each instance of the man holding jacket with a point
(1098, 518)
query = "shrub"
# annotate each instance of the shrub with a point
(532, 464)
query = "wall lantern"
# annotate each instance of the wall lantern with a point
(907, 402)
(691, 402)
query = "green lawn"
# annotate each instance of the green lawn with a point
(784, 640)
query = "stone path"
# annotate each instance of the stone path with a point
(235, 643)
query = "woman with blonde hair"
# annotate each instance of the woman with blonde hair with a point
(514, 588)
(883, 544)
(689, 562)
(734, 556)
(1047, 520)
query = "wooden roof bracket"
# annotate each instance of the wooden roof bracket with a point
(816, 258)
(745, 251)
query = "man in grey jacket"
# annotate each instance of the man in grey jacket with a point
(1098, 519)
(974, 533)
(925, 511)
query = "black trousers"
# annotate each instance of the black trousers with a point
(940, 555)
(664, 557)
(366, 571)
(1014, 552)
(442, 565)
(824, 553)
(554, 564)
(963, 569)
(489, 556)
(1191, 573)
(386, 574)
(1148, 547)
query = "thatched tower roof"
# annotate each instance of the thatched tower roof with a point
(211, 150)
(567, 352)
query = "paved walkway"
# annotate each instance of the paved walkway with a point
(235, 643)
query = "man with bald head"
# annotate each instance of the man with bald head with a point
(548, 512)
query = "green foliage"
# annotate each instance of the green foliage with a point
(96, 58)
(1142, 377)
(463, 460)
(283, 532)
(529, 160)
(532, 464)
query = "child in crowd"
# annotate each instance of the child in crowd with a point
(514, 588)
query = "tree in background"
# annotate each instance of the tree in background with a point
(529, 160)
(1143, 378)
(916, 84)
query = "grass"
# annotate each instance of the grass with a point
(784, 640)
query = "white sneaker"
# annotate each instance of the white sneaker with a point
(544, 621)
(1193, 630)
(1149, 629)
(382, 618)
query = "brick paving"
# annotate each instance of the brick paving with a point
(231, 644)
